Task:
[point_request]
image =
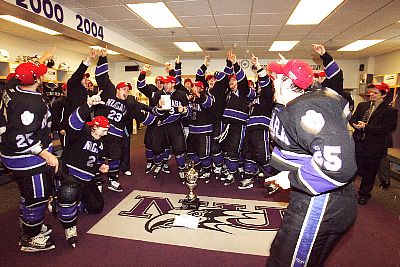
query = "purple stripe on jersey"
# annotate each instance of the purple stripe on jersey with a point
(101, 69)
(235, 114)
(141, 84)
(199, 129)
(170, 119)
(115, 131)
(38, 186)
(294, 159)
(309, 231)
(80, 174)
(24, 163)
(331, 69)
(228, 70)
(75, 121)
(150, 118)
(264, 83)
(200, 72)
(252, 94)
(240, 75)
(311, 174)
(259, 120)
(208, 102)
(220, 75)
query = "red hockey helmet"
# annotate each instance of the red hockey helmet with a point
(160, 79)
(100, 121)
(298, 71)
(123, 84)
(169, 79)
(209, 77)
(383, 87)
(187, 80)
(199, 84)
(27, 73)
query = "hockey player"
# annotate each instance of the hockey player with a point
(315, 155)
(78, 85)
(200, 130)
(216, 85)
(118, 107)
(169, 127)
(149, 91)
(26, 150)
(79, 167)
(256, 141)
(234, 118)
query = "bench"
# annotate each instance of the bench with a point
(394, 158)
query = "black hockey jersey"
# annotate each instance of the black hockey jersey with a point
(117, 110)
(313, 142)
(28, 123)
(201, 119)
(178, 98)
(236, 109)
(261, 106)
(82, 153)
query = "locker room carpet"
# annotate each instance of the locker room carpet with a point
(373, 240)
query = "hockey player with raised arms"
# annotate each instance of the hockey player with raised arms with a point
(118, 107)
(315, 155)
(79, 167)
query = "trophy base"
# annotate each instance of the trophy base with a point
(190, 204)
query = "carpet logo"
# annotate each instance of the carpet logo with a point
(149, 216)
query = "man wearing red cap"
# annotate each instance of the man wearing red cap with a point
(79, 167)
(26, 150)
(169, 127)
(373, 121)
(118, 107)
(315, 155)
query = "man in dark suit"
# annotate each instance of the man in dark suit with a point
(373, 121)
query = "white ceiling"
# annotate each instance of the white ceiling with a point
(252, 25)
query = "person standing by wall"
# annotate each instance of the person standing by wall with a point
(373, 122)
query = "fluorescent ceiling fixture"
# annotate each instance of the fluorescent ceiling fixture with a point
(310, 12)
(29, 24)
(283, 45)
(156, 14)
(359, 45)
(188, 46)
(108, 50)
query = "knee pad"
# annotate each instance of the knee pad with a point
(68, 193)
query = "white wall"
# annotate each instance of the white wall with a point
(388, 63)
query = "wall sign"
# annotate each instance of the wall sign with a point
(55, 12)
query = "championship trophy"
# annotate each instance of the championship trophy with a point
(191, 201)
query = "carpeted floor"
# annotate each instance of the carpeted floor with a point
(374, 240)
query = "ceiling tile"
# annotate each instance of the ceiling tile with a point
(89, 14)
(132, 24)
(233, 29)
(209, 30)
(271, 29)
(196, 21)
(170, 32)
(97, 3)
(232, 20)
(262, 37)
(290, 29)
(269, 18)
(274, 6)
(114, 13)
(291, 37)
(234, 37)
(207, 38)
(190, 8)
(221, 7)
(145, 33)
